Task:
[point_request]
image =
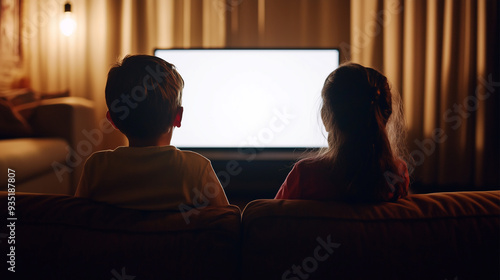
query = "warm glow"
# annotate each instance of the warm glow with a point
(251, 98)
(68, 24)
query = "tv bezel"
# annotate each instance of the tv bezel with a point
(246, 152)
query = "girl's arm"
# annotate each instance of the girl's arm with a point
(290, 188)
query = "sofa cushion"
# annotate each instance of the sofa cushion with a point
(30, 157)
(431, 236)
(64, 237)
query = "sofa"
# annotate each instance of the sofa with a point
(48, 155)
(425, 236)
(63, 237)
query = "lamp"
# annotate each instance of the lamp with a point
(68, 24)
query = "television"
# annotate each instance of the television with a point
(251, 98)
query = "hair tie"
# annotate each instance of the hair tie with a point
(376, 93)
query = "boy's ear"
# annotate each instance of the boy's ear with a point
(108, 116)
(178, 117)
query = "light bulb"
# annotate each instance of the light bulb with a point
(68, 24)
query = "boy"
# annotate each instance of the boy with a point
(143, 95)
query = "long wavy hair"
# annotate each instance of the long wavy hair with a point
(366, 133)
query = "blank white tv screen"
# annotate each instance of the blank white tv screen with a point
(266, 98)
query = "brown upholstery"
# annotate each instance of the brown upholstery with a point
(434, 236)
(52, 160)
(12, 124)
(63, 237)
(431, 236)
(31, 156)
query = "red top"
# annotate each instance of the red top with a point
(311, 179)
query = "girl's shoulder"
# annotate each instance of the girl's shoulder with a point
(401, 165)
(311, 162)
(312, 165)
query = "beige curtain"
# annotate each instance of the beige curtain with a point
(288, 23)
(106, 31)
(442, 56)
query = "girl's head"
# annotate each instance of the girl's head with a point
(364, 124)
(356, 102)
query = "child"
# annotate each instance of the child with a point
(365, 143)
(143, 95)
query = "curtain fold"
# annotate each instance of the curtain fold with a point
(288, 24)
(442, 56)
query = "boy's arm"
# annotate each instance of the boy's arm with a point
(82, 189)
(212, 188)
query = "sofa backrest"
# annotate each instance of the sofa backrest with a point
(431, 236)
(63, 237)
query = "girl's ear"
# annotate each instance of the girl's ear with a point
(108, 116)
(178, 117)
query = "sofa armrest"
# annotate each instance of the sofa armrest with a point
(64, 117)
(69, 118)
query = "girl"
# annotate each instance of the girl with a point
(363, 161)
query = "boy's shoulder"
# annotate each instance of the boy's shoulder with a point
(98, 154)
(193, 154)
(145, 152)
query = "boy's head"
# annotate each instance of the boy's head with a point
(143, 95)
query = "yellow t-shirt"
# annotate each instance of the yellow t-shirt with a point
(151, 178)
